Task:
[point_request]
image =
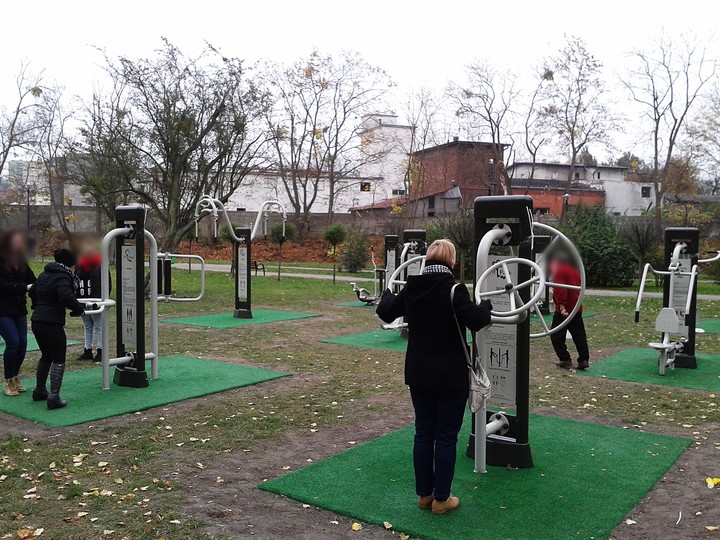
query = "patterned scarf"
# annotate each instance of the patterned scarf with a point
(436, 269)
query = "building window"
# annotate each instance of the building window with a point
(554, 175)
(397, 192)
(646, 192)
(356, 202)
(431, 203)
(577, 176)
(598, 175)
(364, 186)
(542, 211)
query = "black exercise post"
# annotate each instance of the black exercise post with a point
(130, 279)
(243, 284)
(417, 238)
(690, 236)
(506, 347)
(392, 255)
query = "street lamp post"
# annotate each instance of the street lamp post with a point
(566, 205)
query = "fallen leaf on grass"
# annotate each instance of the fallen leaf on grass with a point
(404, 536)
(630, 522)
(387, 524)
(356, 526)
(103, 464)
(712, 528)
(712, 482)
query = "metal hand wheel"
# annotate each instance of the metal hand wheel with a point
(559, 238)
(517, 306)
(393, 282)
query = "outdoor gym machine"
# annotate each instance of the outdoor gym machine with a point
(411, 261)
(392, 257)
(242, 241)
(129, 238)
(515, 282)
(678, 317)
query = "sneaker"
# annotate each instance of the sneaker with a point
(425, 503)
(9, 388)
(443, 507)
(19, 387)
(583, 365)
(565, 364)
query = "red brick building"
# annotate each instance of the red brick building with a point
(444, 177)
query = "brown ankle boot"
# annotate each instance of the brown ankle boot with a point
(443, 507)
(425, 503)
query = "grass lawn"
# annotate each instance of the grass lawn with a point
(129, 474)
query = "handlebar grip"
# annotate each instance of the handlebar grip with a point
(637, 316)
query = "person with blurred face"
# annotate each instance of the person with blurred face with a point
(16, 279)
(88, 272)
(566, 273)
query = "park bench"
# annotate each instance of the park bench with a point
(255, 265)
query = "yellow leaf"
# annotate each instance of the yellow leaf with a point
(103, 464)
(387, 524)
(356, 526)
(712, 528)
(24, 533)
(52, 465)
(118, 480)
(404, 536)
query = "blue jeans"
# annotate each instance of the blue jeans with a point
(438, 418)
(93, 330)
(13, 331)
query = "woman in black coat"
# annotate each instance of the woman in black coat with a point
(436, 368)
(16, 278)
(53, 293)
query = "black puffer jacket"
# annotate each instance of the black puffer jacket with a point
(434, 358)
(53, 293)
(13, 290)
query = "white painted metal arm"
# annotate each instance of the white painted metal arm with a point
(170, 256)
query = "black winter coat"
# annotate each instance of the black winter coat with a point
(53, 293)
(90, 283)
(434, 357)
(13, 290)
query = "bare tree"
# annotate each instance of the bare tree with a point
(17, 126)
(667, 83)
(486, 100)
(536, 133)
(314, 127)
(705, 133)
(577, 110)
(171, 129)
(50, 145)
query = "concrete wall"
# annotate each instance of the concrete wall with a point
(625, 198)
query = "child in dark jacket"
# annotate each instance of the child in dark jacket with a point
(88, 272)
(53, 293)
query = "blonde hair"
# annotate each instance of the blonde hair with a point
(442, 251)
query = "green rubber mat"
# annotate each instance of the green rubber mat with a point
(32, 344)
(711, 326)
(389, 340)
(226, 320)
(640, 364)
(356, 303)
(181, 378)
(586, 478)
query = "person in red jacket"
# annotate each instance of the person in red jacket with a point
(564, 272)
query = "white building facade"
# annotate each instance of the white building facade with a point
(625, 195)
(387, 144)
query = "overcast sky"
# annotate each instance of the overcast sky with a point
(419, 43)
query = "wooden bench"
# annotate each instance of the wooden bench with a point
(254, 265)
